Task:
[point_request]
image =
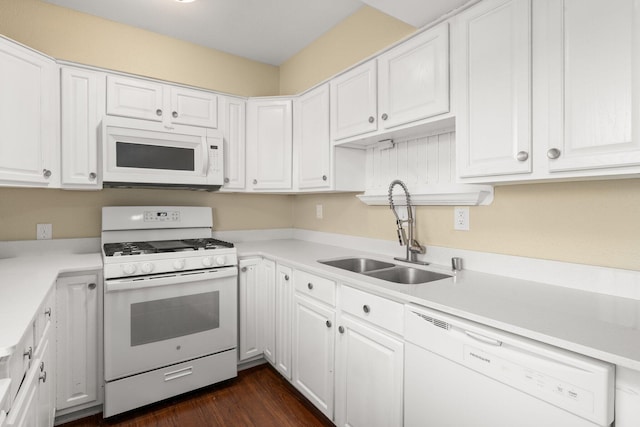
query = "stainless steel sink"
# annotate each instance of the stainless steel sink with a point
(357, 265)
(406, 275)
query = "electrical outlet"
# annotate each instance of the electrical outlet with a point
(461, 219)
(44, 231)
(319, 211)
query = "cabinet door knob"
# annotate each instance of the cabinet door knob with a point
(174, 114)
(286, 277)
(255, 181)
(226, 180)
(328, 323)
(41, 366)
(43, 377)
(158, 112)
(28, 352)
(310, 285)
(91, 286)
(324, 177)
(341, 329)
(371, 119)
(366, 308)
(47, 312)
(243, 269)
(384, 116)
(553, 153)
(46, 173)
(522, 156)
(93, 176)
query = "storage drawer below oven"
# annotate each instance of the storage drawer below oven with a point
(143, 389)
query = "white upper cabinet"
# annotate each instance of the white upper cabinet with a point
(29, 118)
(492, 68)
(409, 83)
(82, 108)
(233, 125)
(354, 102)
(149, 100)
(311, 136)
(413, 79)
(588, 63)
(269, 144)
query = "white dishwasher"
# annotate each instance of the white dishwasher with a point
(462, 374)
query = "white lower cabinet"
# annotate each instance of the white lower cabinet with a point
(250, 282)
(369, 376)
(313, 352)
(79, 344)
(268, 310)
(283, 311)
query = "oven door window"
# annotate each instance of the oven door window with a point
(163, 319)
(144, 156)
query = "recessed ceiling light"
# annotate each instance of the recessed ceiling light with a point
(185, 1)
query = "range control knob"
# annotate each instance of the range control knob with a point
(178, 264)
(220, 260)
(129, 269)
(207, 262)
(147, 268)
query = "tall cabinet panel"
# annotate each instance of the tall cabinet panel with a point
(593, 110)
(233, 124)
(269, 143)
(249, 282)
(492, 65)
(267, 295)
(83, 106)
(29, 118)
(284, 318)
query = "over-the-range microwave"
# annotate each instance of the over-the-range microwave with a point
(140, 153)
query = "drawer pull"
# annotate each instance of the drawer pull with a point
(366, 308)
(28, 352)
(310, 285)
(43, 377)
(170, 376)
(41, 366)
(47, 312)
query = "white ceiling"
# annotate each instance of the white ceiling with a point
(269, 31)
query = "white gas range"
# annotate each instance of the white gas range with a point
(170, 304)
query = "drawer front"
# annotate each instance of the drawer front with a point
(316, 287)
(380, 311)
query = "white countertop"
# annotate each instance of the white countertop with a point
(24, 283)
(597, 325)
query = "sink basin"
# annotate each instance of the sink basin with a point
(406, 275)
(357, 265)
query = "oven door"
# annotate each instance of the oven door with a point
(161, 320)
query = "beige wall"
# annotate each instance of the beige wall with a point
(75, 214)
(74, 36)
(359, 36)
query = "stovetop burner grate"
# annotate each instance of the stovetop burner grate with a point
(163, 246)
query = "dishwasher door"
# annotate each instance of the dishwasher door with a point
(462, 374)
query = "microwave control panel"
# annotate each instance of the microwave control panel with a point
(214, 157)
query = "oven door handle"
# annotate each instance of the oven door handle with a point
(114, 285)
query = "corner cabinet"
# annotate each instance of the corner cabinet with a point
(492, 63)
(269, 144)
(82, 109)
(79, 344)
(29, 123)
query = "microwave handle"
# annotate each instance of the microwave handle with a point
(206, 158)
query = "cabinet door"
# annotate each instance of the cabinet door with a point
(284, 308)
(47, 377)
(232, 124)
(136, 98)
(193, 107)
(593, 106)
(268, 305)
(29, 118)
(354, 102)
(250, 281)
(79, 339)
(269, 139)
(369, 376)
(493, 83)
(313, 353)
(413, 79)
(311, 136)
(24, 411)
(82, 102)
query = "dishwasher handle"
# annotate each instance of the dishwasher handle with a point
(483, 339)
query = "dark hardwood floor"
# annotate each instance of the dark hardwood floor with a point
(257, 397)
